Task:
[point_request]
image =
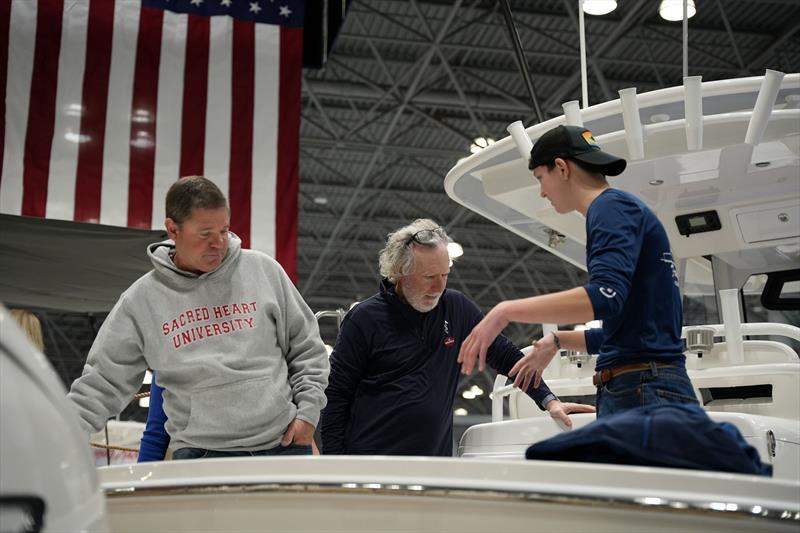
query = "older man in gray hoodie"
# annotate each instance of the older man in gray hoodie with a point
(234, 345)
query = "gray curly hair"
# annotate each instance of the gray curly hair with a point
(397, 257)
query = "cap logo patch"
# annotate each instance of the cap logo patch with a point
(589, 138)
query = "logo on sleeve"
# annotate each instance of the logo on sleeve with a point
(608, 293)
(666, 257)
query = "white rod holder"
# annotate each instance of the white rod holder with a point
(572, 113)
(521, 139)
(731, 319)
(763, 108)
(633, 125)
(497, 397)
(693, 98)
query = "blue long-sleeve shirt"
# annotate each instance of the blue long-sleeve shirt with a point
(394, 375)
(155, 439)
(633, 285)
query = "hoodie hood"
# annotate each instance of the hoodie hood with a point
(161, 253)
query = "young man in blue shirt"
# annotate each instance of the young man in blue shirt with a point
(394, 370)
(632, 288)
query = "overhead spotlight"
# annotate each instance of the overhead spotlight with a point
(454, 250)
(599, 7)
(477, 391)
(479, 143)
(672, 10)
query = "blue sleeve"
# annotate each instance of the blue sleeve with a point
(502, 355)
(614, 240)
(155, 440)
(594, 339)
(349, 361)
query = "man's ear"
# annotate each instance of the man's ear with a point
(563, 167)
(172, 228)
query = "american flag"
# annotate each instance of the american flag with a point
(105, 103)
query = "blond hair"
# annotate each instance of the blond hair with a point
(30, 324)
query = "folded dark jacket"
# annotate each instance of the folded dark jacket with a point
(673, 435)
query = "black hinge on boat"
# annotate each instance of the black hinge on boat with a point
(22, 512)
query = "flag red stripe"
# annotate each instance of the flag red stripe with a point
(143, 118)
(5, 21)
(94, 98)
(195, 96)
(288, 174)
(242, 109)
(42, 108)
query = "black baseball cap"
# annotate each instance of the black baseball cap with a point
(574, 142)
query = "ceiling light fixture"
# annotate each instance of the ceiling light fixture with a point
(599, 7)
(672, 10)
(454, 250)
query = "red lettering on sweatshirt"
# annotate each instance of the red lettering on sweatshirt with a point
(203, 323)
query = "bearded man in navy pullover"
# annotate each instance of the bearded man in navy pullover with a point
(394, 370)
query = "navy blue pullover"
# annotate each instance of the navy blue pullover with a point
(632, 285)
(394, 374)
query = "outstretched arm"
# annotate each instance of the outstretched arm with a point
(571, 306)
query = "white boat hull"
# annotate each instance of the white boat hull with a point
(437, 494)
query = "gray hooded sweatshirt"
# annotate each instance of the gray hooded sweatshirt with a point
(237, 351)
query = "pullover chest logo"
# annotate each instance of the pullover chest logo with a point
(449, 341)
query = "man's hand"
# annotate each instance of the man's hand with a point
(560, 411)
(532, 365)
(477, 343)
(299, 432)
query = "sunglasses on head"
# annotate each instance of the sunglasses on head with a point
(424, 236)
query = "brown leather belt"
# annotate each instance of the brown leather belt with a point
(606, 375)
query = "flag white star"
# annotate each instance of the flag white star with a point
(196, 2)
(226, 3)
(254, 7)
(285, 11)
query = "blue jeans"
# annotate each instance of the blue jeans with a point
(200, 453)
(652, 386)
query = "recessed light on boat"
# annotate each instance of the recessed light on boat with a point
(763, 164)
(479, 143)
(656, 182)
(659, 117)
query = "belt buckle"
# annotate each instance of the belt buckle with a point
(601, 377)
